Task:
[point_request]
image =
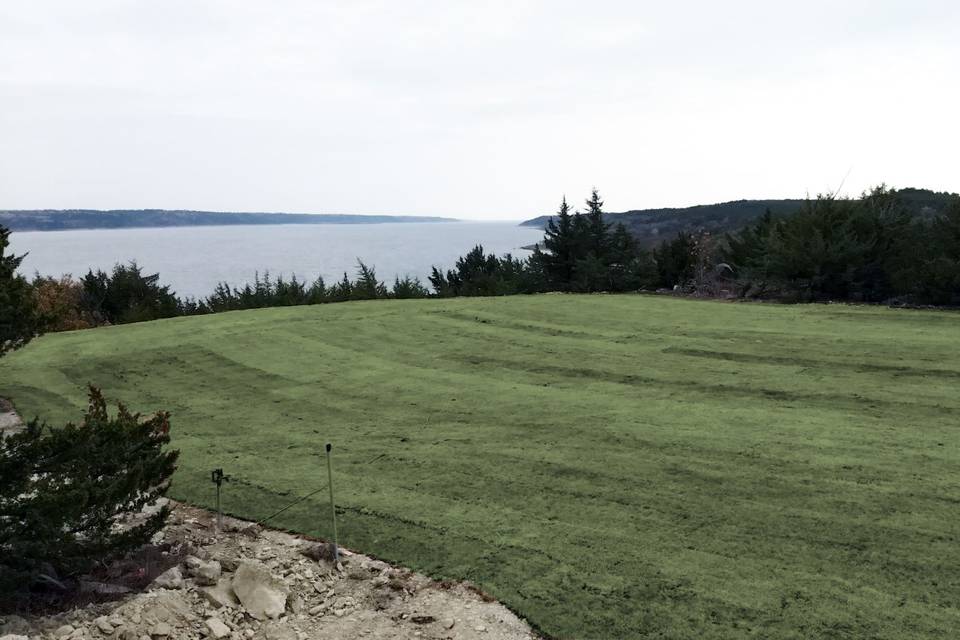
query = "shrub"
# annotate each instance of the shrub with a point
(68, 496)
(60, 302)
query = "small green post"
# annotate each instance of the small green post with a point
(333, 508)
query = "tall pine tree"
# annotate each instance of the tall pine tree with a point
(20, 319)
(597, 240)
(560, 242)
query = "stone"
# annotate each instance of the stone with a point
(220, 595)
(103, 625)
(172, 578)
(295, 603)
(160, 630)
(64, 631)
(15, 625)
(448, 623)
(208, 573)
(319, 551)
(276, 631)
(168, 606)
(217, 628)
(262, 595)
(127, 633)
(14, 636)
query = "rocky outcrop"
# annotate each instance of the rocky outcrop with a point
(247, 583)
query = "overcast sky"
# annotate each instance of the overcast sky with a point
(488, 110)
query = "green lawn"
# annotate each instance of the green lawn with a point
(607, 466)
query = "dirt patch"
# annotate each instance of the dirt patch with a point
(250, 583)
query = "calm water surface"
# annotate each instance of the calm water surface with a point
(194, 259)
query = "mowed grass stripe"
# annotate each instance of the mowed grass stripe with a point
(609, 466)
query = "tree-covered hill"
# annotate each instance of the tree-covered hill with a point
(60, 219)
(651, 226)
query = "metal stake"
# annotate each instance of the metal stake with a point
(333, 508)
(218, 478)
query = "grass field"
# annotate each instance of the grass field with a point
(608, 466)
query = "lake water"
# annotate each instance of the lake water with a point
(194, 259)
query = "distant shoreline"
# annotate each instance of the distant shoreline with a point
(77, 219)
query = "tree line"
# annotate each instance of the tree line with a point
(868, 249)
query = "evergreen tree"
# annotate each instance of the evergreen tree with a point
(558, 262)
(675, 261)
(628, 267)
(342, 290)
(408, 287)
(367, 287)
(745, 253)
(64, 491)
(127, 295)
(597, 231)
(931, 272)
(20, 318)
(317, 292)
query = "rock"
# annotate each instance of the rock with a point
(15, 625)
(480, 628)
(251, 529)
(448, 623)
(207, 573)
(64, 631)
(319, 551)
(192, 563)
(104, 625)
(217, 628)
(423, 619)
(160, 630)
(220, 595)
(14, 636)
(172, 578)
(262, 595)
(168, 606)
(295, 603)
(126, 633)
(276, 631)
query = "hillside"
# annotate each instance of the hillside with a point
(651, 226)
(61, 219)
(607, 466)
